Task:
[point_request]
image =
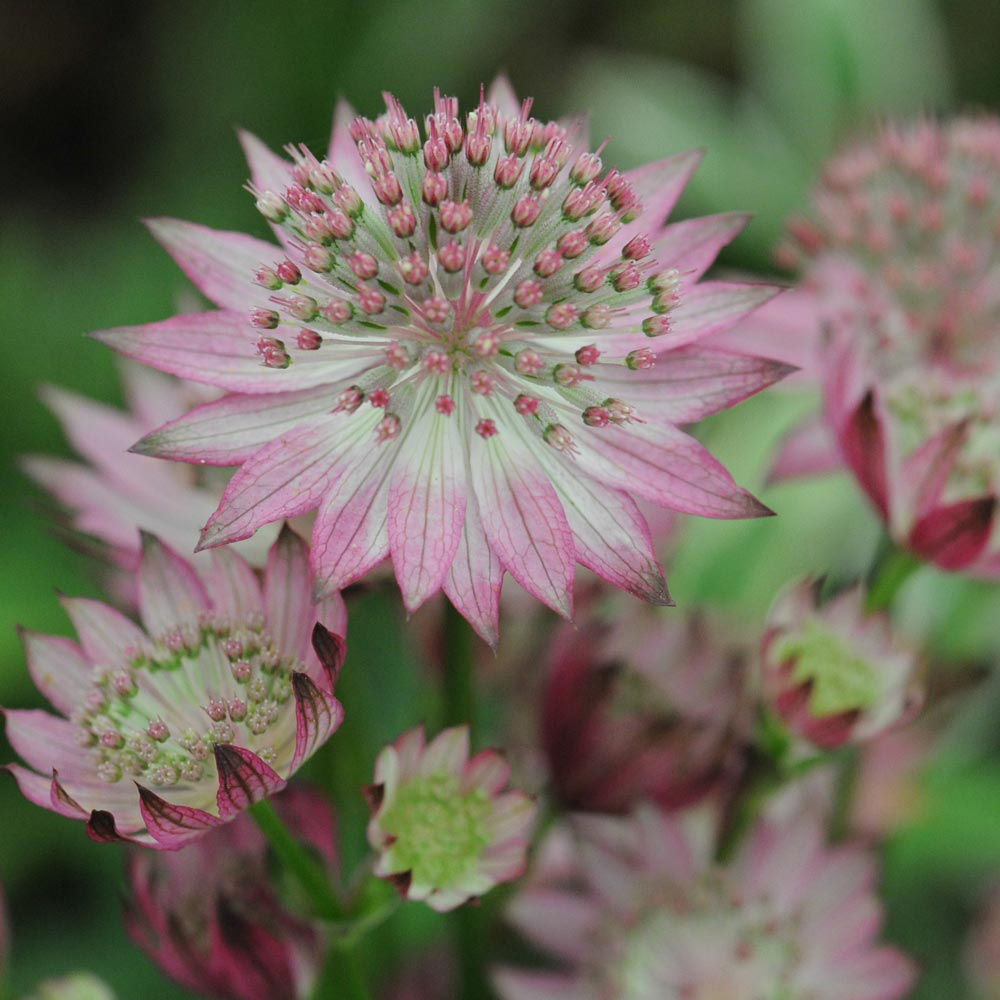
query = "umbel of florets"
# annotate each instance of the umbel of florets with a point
(470, 353)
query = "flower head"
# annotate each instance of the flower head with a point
(902, 253)
(444, 829)
(832, 673)
(209, 916)
(470, 353)
(169, 730)
(643, 705)
(639, 911)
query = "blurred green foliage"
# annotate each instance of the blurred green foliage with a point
(119, 110)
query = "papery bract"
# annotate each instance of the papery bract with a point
(167, 731)
(471, 352)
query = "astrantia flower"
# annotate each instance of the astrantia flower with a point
(210, 916)
(832, 673)
(902, 253)
(642, 913)
(471, 352)
(170, 730)
(112, 494)
(642, 705)
(443, 826)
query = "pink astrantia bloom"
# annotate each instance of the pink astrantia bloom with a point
(211, 918)
(170, 730)
(110, 494)
(641, 704)
(639, 911)
(902, 253)
(471, 352)
(833, 673)
(443, 826)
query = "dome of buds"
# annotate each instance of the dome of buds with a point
(445, 829)
(833, 673)
(638, 911)
(169, 730)
(640, 704)
(902, 252)
(211, 918)
(473, 333)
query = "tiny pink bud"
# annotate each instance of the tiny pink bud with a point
(455, 215)
(568, 376)
(272, 352)
(596, 416)
(627, 278)
(264, 319)
(486, 428)
(217, 709)
(237, 709)
(379, 398)
(543, 172)
(308, 340)
(558, 437)
(507, 171)
(517, 135)
(597, 317)
(562, 316)
(445, 404)
(637, 248)
(349, 400)
(347, 199)
(528, 362)
(402, 221)
(526, 210)
(589, 279)
(527, 406)
(495, 260)
(587, 355)
(413, 268)
(301, 307)
(340, 225)
(482, 383)
(267, 277)
(586, 168)
(272, 207)
(487, 344)
(242, 671)
(547, 263)
(289, 273)
(452, 256)
(477, 148)
(582, 201)
(337, 311)
(433, 189)
(317, 258)
(601, 229)
(572, 244)
(436, 309)
(364, 265)
(665, 281)
(388, 428)
(528, 293)
(370, 300)
(397, 356)
(436, 363)
(656, 326)
(663, 302)
(640, 360)
(436, 154)
(158, 731)
(387, 188)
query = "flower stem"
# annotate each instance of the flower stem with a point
(343, 975)
(457, 652)
(891, 571)
(307, 871)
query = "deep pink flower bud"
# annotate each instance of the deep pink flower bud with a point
(526, 210)
(445, 404)
(350, 399)
(656, 326)
(387, 188)
(572, 244)
(625, 279)
(640, 360)
(526, 405)
(455, 215)
(289, 273)
(559, 438)
(589, 279)
(547, 263)
(379, 398)
(561, 316)
(586, 168)
(272, 207)
(596, 416)
(436, 154)
(402, 221)
(601, 229)
(543, 172)
(587, 355)
(436, 309)
(596, 317)
(413, 268)
(301, 307)
(337, 311)
(267, 277)
(388, 428)
(318, 258)
(495, 260)
(370, 300)
(340, 225)
(528, 362)
(264, 319)
(272, 352)
(364, 265)
(347, 199)
(637, 247)
(452, 256)
(507, 171)
(308, 340)
(528, 293)
(486, 428)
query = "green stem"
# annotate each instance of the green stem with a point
(307, 871)
(889, 575)
(342, 976)
(459, 694)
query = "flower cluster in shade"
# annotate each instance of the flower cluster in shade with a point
(211, 917)
(471, 352)
(900, 253)
(444, 829)
(636, 909)
(110, 492)
(167, 731)
(639, 703)
(834, 674)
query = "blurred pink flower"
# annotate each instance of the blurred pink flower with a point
(640, 911)
(443, 826)
(211, 918)
(900, 251)
(832, 673)
(642, 704)
(111, 494)
(214, 703)
(471, 352)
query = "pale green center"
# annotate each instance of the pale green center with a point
(841, 680)
(440, 831)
